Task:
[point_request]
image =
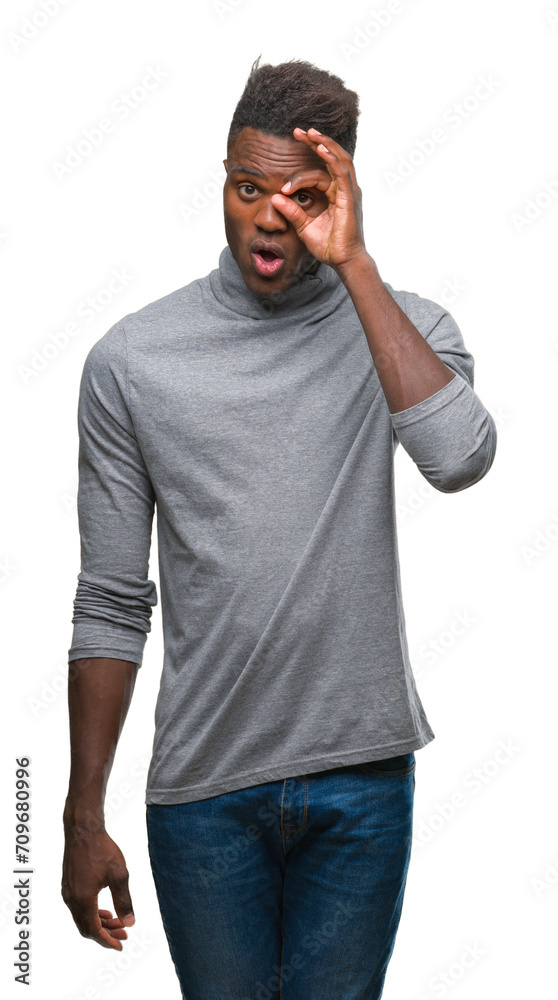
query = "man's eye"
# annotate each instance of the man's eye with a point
(297, 194)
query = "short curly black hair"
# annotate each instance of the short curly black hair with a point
(277, 99)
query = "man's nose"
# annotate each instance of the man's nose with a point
(268, 217)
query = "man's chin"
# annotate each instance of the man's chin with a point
(269, 287)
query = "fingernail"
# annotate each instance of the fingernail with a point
(128, 920)
(286, 186)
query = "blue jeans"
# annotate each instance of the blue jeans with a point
(290, 890)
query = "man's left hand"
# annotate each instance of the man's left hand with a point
(334, 237)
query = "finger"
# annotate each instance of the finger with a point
(316, 137)
(338, 160)
(118, 885)
(89, 924)
(347, 193)
(302, 136)
(313, 139)
(106, 916)
(113, 924)
(340, 178)
(311, 178)
(105, 939)
(118, 933)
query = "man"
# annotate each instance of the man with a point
(259, 409)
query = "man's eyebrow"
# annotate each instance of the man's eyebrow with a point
(252, 172)
(246, 170)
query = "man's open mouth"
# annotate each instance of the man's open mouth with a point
(266, 261)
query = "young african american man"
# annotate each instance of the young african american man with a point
(258, 410)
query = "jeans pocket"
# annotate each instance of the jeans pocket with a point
(391, 767)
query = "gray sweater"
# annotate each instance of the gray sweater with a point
(260, 432)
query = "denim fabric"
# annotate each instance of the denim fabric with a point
(290, 890)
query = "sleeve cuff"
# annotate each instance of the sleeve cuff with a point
(106, 639)
(79, 653)
(432, 404)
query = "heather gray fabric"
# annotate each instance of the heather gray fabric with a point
(260, 432)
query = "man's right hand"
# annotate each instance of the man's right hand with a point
(92, 861)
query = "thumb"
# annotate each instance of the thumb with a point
(118, 885)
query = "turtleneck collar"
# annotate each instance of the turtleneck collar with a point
(228, 285)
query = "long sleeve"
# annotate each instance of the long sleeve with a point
(114, 598)
(450, 436)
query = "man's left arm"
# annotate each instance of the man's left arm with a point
(427, 377)
(436, 415)
(408, 368)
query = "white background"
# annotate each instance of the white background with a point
(147, 200)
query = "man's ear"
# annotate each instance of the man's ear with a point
(225, 164)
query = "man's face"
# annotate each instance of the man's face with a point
(267, 163)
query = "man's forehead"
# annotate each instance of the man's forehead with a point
(269, 154)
